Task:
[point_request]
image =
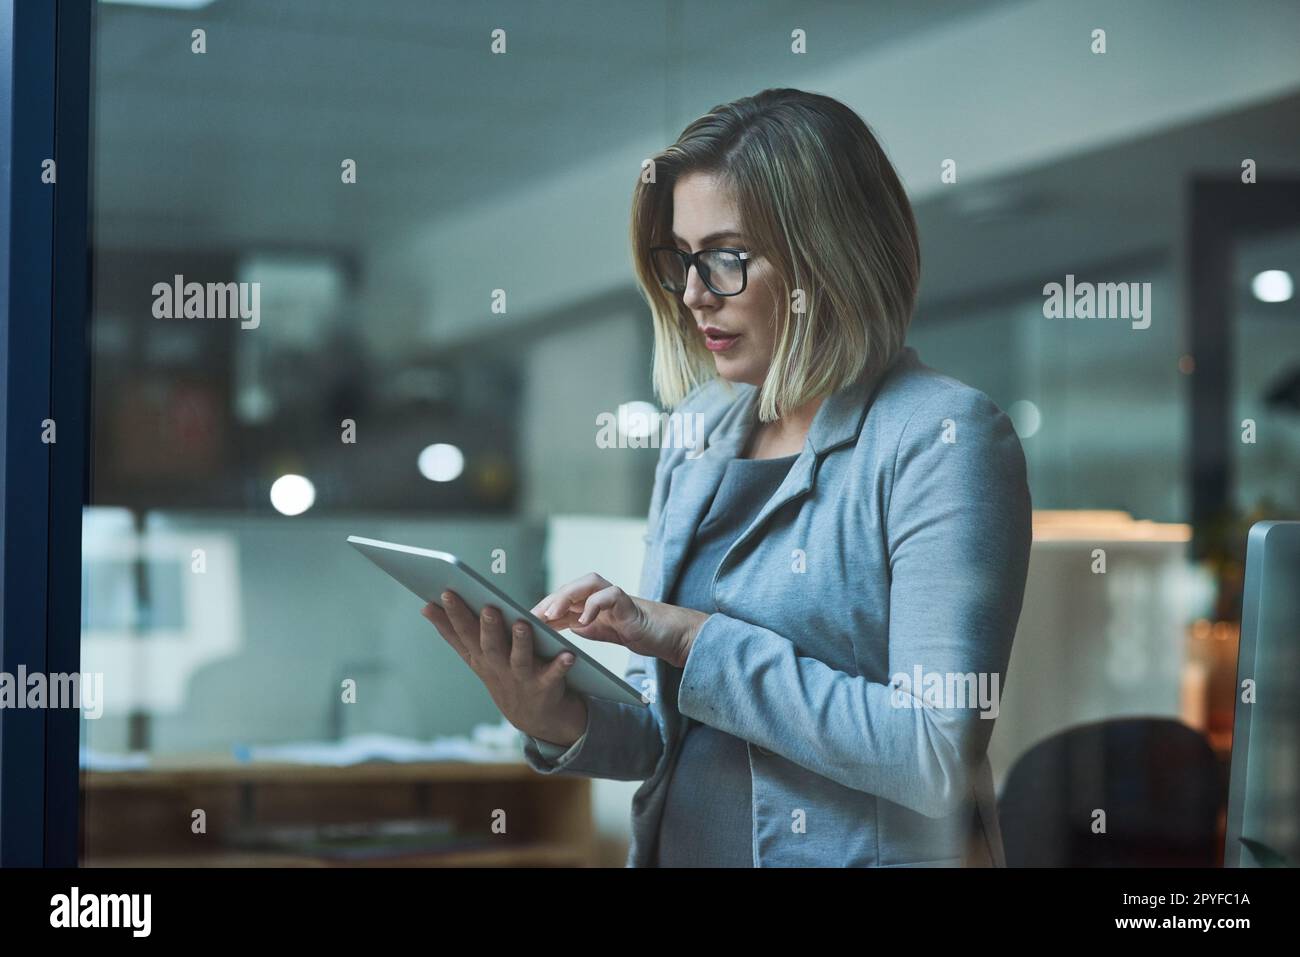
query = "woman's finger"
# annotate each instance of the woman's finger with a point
(438, 617)
(492, 632)
(605, 599)
(575, 592)
(565, 619)
(521, 649)
(611, 627)
(464, 620)
(558, 601)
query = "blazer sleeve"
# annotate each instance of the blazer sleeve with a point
(553, 751)
(958, 530)
(622, 742)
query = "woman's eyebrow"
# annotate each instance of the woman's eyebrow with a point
(712, 237)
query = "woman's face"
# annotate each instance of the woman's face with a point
(705, 217)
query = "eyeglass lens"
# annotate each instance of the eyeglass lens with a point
(723, 272)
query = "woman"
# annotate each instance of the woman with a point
(848, 553)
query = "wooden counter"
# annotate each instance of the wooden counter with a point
(144, 817)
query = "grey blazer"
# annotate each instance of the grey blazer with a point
(897, 545)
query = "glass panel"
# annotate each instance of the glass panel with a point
(1266, 393)
(1099, 405)
(1265, 419)
(362, 269)
(329, 301)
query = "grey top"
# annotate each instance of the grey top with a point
(707, 819)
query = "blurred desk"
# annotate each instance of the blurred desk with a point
(145, 817)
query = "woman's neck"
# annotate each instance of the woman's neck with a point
(783, 436)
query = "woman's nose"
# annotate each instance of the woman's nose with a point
(697, 293)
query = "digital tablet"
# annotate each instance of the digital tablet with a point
(428, 574)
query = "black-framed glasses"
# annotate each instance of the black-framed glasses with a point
(723, 269)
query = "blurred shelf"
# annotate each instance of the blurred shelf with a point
(143, 818)
(526, 855)
(230, 771)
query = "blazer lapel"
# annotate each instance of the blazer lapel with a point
(695, 481)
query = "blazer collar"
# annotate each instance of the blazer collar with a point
(838, 420)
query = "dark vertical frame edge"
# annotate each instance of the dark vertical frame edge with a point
(70, 371)
(44, 295)
(26, 280)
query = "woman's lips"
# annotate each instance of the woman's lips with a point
(716, 342)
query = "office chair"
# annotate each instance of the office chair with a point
(1156, 779)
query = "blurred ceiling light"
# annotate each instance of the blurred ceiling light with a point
(441, 462)
(419, 384)
(1025, 417)
(991, 201)
(1272, 285)
(637, 420)
(254, 405)
(292, 494)
(170, 4)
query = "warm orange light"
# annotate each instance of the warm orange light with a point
(1094, 525)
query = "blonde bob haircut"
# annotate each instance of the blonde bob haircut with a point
(818, 198)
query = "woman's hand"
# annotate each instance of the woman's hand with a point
(593, 608)
(531, 694)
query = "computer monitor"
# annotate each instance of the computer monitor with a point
(1263, 826)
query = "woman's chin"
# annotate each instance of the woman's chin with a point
(738, 372)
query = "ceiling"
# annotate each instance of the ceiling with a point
(241, 146)
(238, 144)
(1119, 203)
